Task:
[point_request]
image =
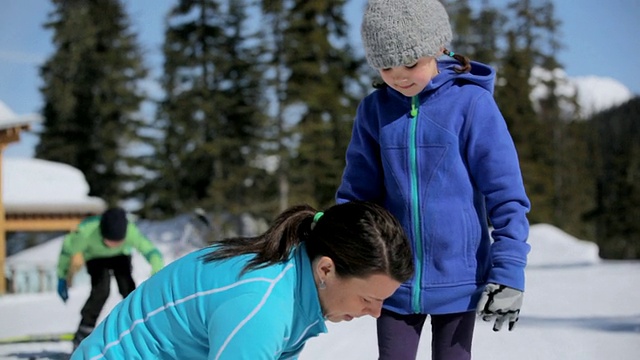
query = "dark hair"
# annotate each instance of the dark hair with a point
(466, 63)
(465, 66)
(361, 238)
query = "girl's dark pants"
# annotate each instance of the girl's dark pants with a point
(399, 335)
(100, 271)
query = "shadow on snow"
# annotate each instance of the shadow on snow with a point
(628, 323)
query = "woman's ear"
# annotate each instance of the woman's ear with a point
(324, 267)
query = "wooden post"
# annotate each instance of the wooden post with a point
(8, 135)
(11, 286)
(42, 279)
(3, 234)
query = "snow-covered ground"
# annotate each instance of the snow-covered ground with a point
(577, 307)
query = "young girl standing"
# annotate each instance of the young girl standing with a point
(431, 146)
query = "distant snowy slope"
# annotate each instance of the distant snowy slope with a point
(597, 93)
(594, 93)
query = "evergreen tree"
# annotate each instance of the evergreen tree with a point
(615, 137)
(476, 32)
(578, 174)
(279, 137)
(553, 120)
(210, 118)
(462, 25)
(322, 92)
(531, 23)
(239, 176)
(91, 94)
(488, 29)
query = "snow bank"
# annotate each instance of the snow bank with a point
(551, 246)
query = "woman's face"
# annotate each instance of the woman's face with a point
(411, 79)
(343, 299)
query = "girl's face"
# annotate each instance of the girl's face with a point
(343, 299)
(412, 78)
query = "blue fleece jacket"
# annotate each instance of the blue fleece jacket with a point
(193, 310)
(443, 162)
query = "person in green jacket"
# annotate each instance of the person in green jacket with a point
(104, 243)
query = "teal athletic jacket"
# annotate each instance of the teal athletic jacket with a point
(196, 310)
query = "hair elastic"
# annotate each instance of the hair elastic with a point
(316, 217)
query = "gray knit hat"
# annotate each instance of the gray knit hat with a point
(399, 32)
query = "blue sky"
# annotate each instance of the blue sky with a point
(601, 38)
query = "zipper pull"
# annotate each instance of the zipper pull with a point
(414, 106)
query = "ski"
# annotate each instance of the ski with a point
(54, 337)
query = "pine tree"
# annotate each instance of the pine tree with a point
(238, 182)
(552, 117)
(91, 94)
(322, 91)
(530, 24)
(210, 118)
(615, 137)
(578, 174)
(279, 138)
(477, 31)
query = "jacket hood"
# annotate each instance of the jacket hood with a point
(480, 74)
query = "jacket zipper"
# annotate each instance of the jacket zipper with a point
(415, 205)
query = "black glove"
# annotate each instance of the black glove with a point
(501, 303)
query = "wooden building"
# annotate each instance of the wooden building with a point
(31, 199)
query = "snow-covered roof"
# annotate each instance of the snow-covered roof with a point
(34, 186)
(39, 186)
(8, 119)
